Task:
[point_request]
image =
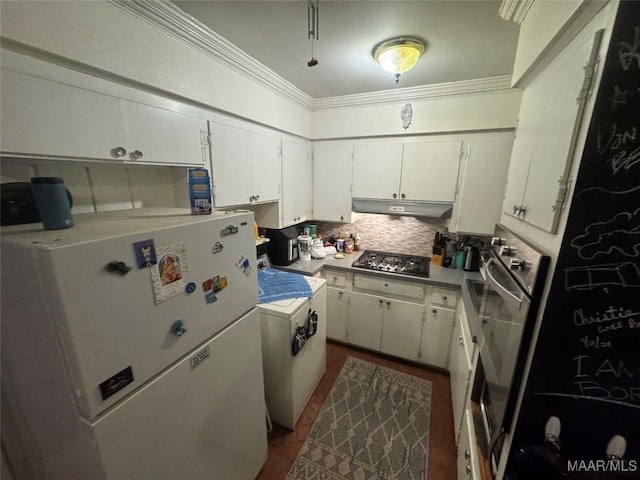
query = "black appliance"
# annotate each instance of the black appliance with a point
(471, 259)
(18, 203)
(283, 245)
(514, 273)
(393, 263)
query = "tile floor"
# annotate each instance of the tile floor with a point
(284, 444)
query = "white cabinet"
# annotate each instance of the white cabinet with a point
(430, 170)
(386, 315)
(401, 328)
(296, 182)
(337, 298)
(467, 460)
(366, 314)
(545, 140)
(245, 166)
(481, 185)
(422, 171)
(47, 119)
(332, 182)
(158, 136)
(460, 369)
(434, 339)
(376, 170)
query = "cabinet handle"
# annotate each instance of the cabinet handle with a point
(467, 454)
(515, 209)
(335, 279)
(468, 469)
(119, 152)
(444, 297)
(395, 195)
(388, 304)
(522, 211)
(137, 154)
(434, 311)
(252, 198)
(380, 301)
(386, 284)
(403, 196)
(341, 218)
(257, 197)
(460, 341)
(340, 294)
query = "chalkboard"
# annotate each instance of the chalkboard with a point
(586, 365)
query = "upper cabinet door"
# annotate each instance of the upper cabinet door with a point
(551, 109)
(296, 182)
(159, 136)
(376, 170)
(231, 165)
(265, 167)
(42, 118)
(481, 192)
(430, 170)
(332, 183)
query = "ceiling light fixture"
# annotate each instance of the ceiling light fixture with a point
(398, 55)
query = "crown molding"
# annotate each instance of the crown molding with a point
(169, 18)
(514, 10)
(466, 87)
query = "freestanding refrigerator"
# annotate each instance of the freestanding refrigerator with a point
(131, 348)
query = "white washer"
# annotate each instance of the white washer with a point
(290, 380)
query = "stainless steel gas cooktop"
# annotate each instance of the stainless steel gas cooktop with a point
(393, 263)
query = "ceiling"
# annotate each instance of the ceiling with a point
(465, 40)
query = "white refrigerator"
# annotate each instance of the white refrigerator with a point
(131, 348)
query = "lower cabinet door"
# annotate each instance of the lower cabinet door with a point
(467, 468)
(436, 333)
(365, 314)
(337, 314)
(401, 328)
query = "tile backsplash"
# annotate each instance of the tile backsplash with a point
(398, 234)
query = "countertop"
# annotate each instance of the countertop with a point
(445, 277)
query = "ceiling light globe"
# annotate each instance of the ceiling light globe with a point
(398, 55)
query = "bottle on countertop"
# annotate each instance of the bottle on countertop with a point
(357, 242)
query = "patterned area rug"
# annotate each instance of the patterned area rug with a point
(374, 425)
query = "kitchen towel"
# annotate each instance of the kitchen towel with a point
(274, 285)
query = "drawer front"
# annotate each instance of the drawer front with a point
(383, 285)
(444, 297)
(336, 278)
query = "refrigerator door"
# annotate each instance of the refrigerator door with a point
(193, 422)
(111, 328)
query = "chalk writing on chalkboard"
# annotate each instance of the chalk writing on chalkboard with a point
(619, 234)
(628, 52)
(624, 274)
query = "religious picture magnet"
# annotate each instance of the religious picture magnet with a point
(145, 253)
(169, 276)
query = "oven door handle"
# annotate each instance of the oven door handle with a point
(504, 293)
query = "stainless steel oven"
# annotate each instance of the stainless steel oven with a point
(514, 274)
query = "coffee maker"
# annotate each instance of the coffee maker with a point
(283, 245)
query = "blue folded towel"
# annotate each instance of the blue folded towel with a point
(274, 285)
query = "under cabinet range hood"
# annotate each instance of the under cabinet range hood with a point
(402, 207)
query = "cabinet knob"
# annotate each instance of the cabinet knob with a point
(137, 154)
(460, 340)
(335, 279)
(467, 455)
(388, 304)
(403, 196)
(119, 151)
(257, 197)
(386, 284)
(522, 211)
(252, 198)
(380, 301)
(444, 297)
(395, 195)
(341, 218)
(434, 311)
(340, 294)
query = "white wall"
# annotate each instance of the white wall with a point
(105, 37)
(547, 26)
(454, 113)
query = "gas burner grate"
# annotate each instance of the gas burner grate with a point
(413, 265)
